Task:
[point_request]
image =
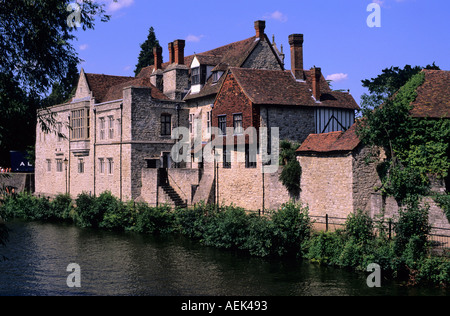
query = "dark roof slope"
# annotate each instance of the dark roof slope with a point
(433, 96)
(116, 92)
(330, 142)
(99, 84)
(276, 87)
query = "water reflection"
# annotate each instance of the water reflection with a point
(128, 264)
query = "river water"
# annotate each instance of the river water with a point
(121, 264)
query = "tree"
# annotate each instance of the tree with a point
(415, 147)
(146, 57)
(64, 90)
(389, 82)
(292, 171)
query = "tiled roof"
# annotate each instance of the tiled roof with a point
(330, 142)
(433, 96)
(116, 92)
(232, 55)
(276, 87)
(109, 88)
(99, 84)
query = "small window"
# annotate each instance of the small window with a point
(237, 124)
(223, 124)
(208, 122)
(111, 127)
(195, 76)
(102, 128)
(217, 75)
(101, 163)
(226, 159)
(191, 122)
(60, 135)
(80, 166)
(49, 165)
(110, 166)
(250, 158)
(59, 165)
(166, 125)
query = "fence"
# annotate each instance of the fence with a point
(439, 237)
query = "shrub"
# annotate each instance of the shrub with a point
(86, 215)
(114, 215)
(260, 235)
(413, 221)
(61, 207)
(191, 221)
(443, 200)
(434, 271)
(153, 220)
(292, 229)
(226, 228)
(325, 247)
(360, 226)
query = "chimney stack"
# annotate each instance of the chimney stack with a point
(178, 47)
(171, 53)
(260, 26)
(316, 74)
(296, 43)
(157, 54)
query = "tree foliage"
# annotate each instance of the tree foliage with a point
(416, 148)
(36, 39)
(146, 57)
(292, 171)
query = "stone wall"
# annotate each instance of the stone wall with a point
(20, 182)
(262, 57)
(327, 184)
(295, 123)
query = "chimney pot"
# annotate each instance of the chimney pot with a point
(260, 26)
(171, 53)
(296, 43)
(316, 74)
(178, 46)
(157, 53)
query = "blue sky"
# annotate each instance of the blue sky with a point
(337, 37)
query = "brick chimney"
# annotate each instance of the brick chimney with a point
(260, 26)
(178, 47)
(157, 54)
(296, 43)
(171, 53)
(316, 74)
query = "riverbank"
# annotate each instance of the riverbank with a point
(287, 232)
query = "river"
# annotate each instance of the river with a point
(121, 264)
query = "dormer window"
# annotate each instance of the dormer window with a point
(217, 75)
(195, 76)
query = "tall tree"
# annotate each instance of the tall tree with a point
(146, 57)
(36, 38)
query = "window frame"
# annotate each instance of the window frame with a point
(241, 127)
(166, 126)
(195, 76)
(222, 124)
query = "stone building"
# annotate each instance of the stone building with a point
(115, 134)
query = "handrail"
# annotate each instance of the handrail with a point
(168, 174)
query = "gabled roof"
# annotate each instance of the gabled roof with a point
(330, 142)
(116, 92)
(109, 88)
(99, 84)
(433, 96)
(276, 87)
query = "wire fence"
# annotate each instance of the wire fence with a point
(439, 237)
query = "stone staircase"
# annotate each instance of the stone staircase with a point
(205, 191)
(174, 196)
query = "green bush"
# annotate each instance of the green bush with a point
(291, 229)
(443, 200)
(434, 271)
(61, 208)
(360, 226)
(154, 220)
(191, 221)
(413, 221)
(86, 215)
(260, 235)
(226, 228)
(325, 247)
